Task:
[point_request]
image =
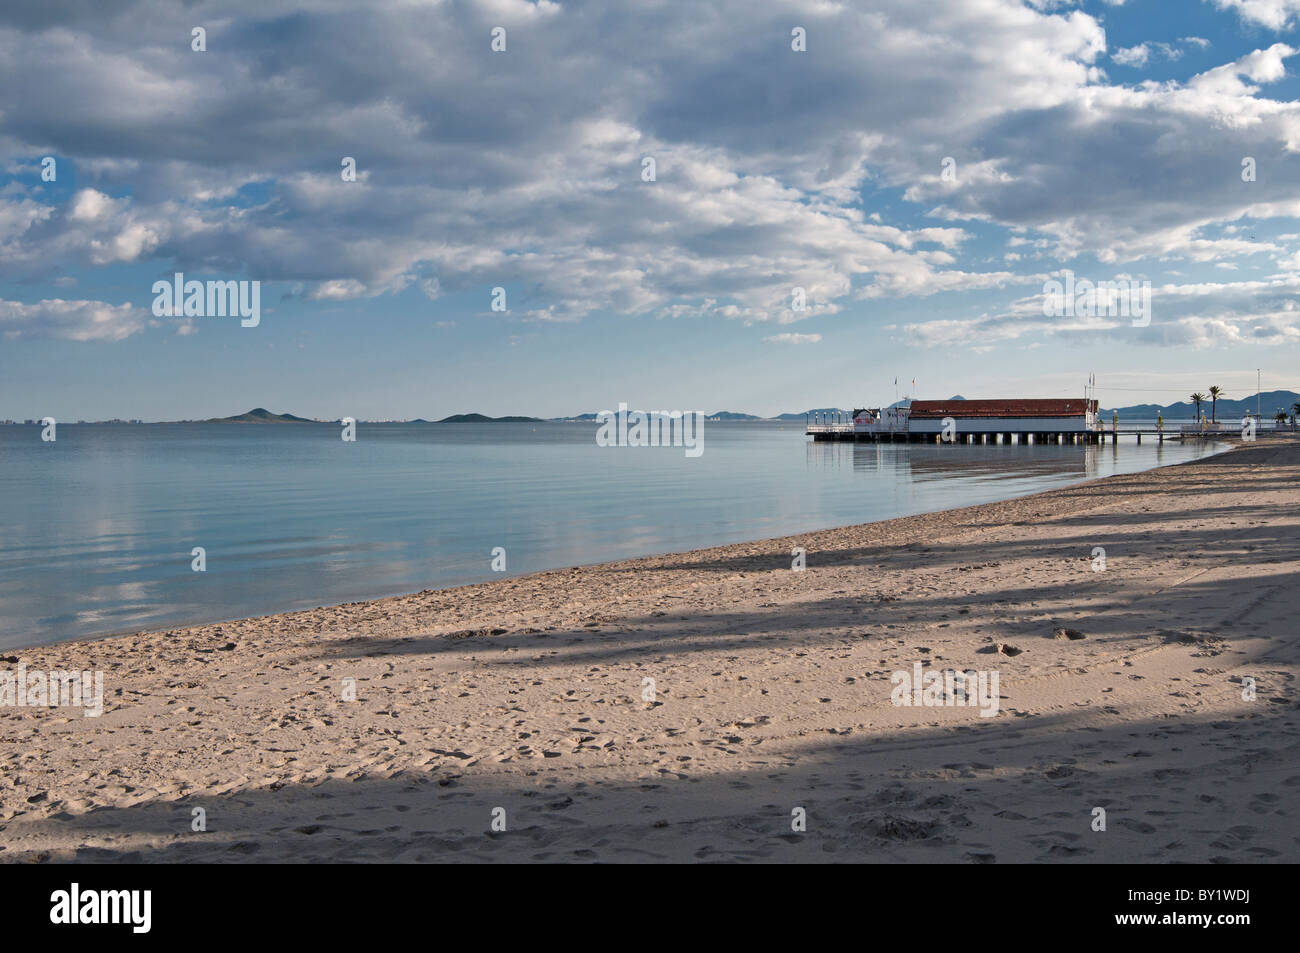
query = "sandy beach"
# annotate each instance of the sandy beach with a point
(771, 693)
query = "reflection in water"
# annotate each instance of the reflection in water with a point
(919, 462)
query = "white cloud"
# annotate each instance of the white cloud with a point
(1133, 55)
(71, 320)
(89, 205)
(788, 338)
(1197, 315)
(1274, 14)
(1140, 54)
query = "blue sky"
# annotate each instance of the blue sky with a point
(1104, 138)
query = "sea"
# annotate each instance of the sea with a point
(115, 528)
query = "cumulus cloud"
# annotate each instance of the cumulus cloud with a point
(518, 168)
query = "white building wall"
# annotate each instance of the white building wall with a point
(1074, 424)
(891, 420)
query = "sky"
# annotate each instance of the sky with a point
(918, 171)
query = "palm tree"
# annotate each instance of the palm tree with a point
(1215, 394)
(1295, 409)
(1280, 417)
(1198, 398)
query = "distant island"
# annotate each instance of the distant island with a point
(800, 415)
(259, 415)
(481, 419)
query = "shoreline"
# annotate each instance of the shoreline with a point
(1228, 442)
(771, 691)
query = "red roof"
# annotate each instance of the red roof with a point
(1075, 407)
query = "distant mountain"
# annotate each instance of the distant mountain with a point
(481, 419)
(260, 415)
(1269, 402)
(720, 415)
(819, 410)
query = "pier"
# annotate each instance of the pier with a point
(846, 431)
(997, 421)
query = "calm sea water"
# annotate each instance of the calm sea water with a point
(97, 528)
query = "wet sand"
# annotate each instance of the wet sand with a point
(772, 692)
